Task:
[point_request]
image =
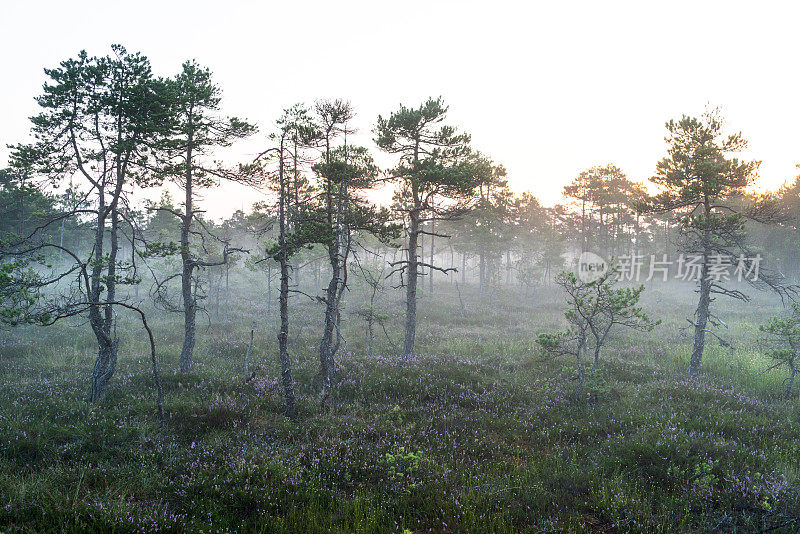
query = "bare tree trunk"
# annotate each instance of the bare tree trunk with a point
(338, 252)
(391, 275)
(463, 307)
(463, 268)
(430, 269)
(269, 289)
(696, 361)
(581, 372)
(326, 346)
(102, 324)
(249, 348)
(666, 242)
(596, 361)
(227, 290)
(411, 286)
(189, 303)
(790, 383)
(583, 225)
(283, 333)
(189, 333)
(421, 256)
(481, 271)
(154, 366)
(104, 368)
(153, 362)
(217, 293)
(452, 262)
(189, 318)
(603, 237)
(700, 327)
(370, 333)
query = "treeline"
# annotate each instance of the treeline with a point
(73, 241)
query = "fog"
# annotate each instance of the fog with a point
(394, 332)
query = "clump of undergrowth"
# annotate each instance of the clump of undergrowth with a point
(473, 434)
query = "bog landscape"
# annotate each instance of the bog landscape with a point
(394, 333)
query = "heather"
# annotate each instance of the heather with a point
(476, 433)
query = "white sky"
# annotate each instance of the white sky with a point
(547, 89)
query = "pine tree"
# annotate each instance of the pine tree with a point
(433, 167)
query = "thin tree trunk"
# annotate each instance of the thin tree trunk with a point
(583, 225)
(269, 289)
(392, 274)
(337, 257)
(283, 334)
(481, 271)
(596, 358)
(790, 384)
(508, 267)
(581, 372)
(700, 328)
(452, 262)
(696, 361)
(430, 269)
(189, 303)
(217, 293)
(326, 346)
(370, 335)
(104, 368)
(411, 287)
(249, 348)
(227, 290)
(421, 256)
(102, 324)
(154, 365)
(666, 243)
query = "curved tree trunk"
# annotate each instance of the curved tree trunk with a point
(329, 331)
(790, 383)
(698, 345)
(102, 323)
(104, 368)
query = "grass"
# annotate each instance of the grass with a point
(475, 434)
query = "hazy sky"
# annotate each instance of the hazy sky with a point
(547, 89)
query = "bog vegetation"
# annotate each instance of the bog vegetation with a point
(325, 363)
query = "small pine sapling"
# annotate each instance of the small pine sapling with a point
(781, 336)
(594, 310)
